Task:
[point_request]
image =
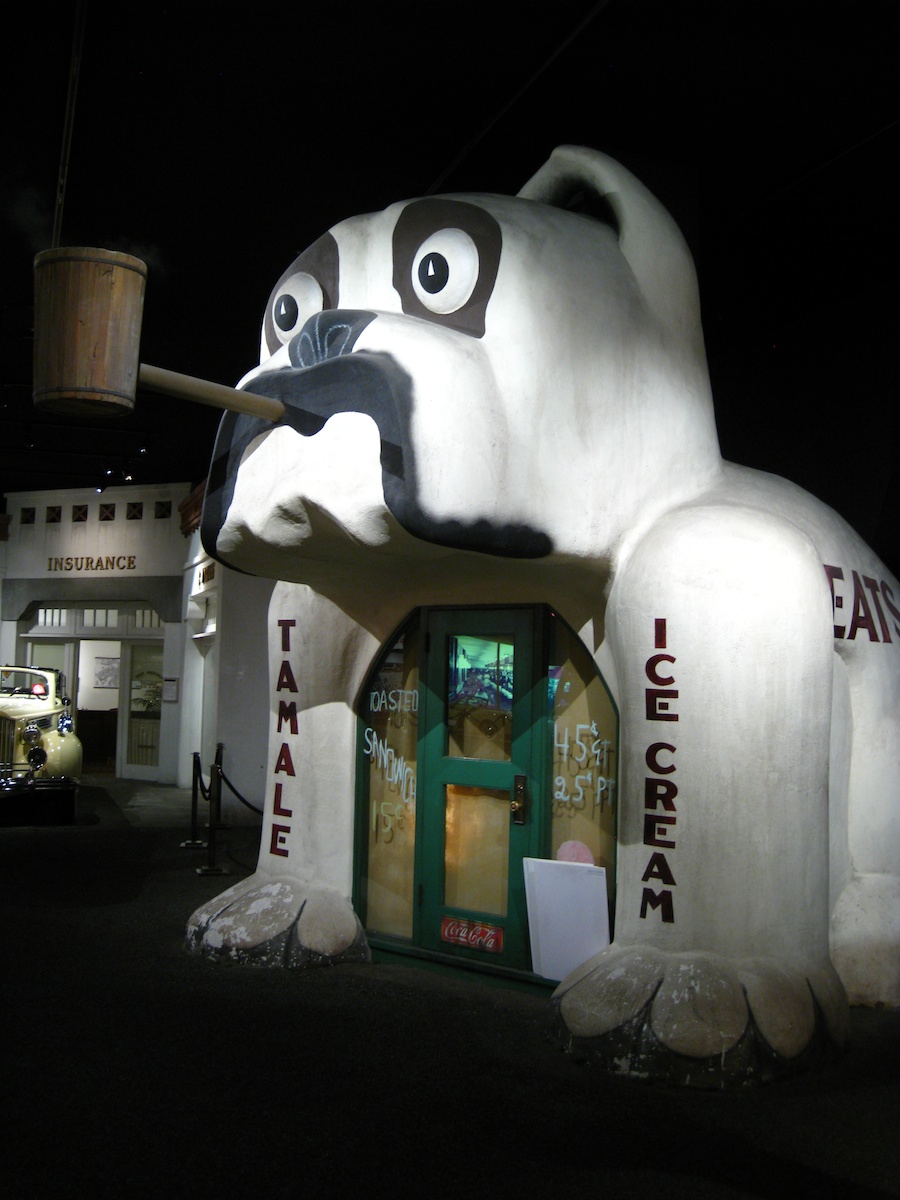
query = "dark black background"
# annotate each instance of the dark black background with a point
(217, 140)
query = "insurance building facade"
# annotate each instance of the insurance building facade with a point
(113, 589)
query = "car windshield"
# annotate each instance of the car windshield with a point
(14, 681)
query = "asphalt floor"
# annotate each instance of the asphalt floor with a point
(133, 1069)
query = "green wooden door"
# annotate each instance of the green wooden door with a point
(479, 809)
(486, 736)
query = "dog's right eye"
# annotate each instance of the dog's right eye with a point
(298, 298)
(445, 270)
(446, 257)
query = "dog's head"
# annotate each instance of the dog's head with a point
(516, 376)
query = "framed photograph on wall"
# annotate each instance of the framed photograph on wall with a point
(106, 672)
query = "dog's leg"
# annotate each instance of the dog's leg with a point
(721, 629)
(295, 909)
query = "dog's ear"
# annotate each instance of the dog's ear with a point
(587, 182)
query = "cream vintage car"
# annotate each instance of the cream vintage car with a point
(40, 756)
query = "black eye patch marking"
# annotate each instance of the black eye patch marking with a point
(450, 281)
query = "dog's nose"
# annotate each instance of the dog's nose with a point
(328, 335)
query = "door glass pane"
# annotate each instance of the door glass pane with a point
(144, 704)
(390, 713)
(476, 848)
(479, 697)
(585, 758)
(97, 702)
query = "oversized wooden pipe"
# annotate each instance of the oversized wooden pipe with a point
(203, 391)
(88, 305)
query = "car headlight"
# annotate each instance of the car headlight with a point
(37, 757)
(31, 735)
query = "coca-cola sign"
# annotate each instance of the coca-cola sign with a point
(474, 934)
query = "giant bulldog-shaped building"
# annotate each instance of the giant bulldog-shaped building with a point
(505, 401)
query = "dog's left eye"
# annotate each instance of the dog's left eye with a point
(297, 298)
(445, 271)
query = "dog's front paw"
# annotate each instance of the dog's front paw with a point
(698, 1018)
(865, 936)
(278, 923)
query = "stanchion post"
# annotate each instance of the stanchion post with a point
(195, 841)
(220, 757)
(215, 799)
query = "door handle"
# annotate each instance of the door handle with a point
(519, 803)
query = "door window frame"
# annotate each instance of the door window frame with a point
(529, 753)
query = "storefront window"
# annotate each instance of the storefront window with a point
(390, 732)
(100, 618)
(145, 705)
(52, 618)
(585, 756)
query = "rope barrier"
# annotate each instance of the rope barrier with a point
(212, 793)
(237, 794)
(198, 776)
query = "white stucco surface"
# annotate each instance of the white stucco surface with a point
(751, 639)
